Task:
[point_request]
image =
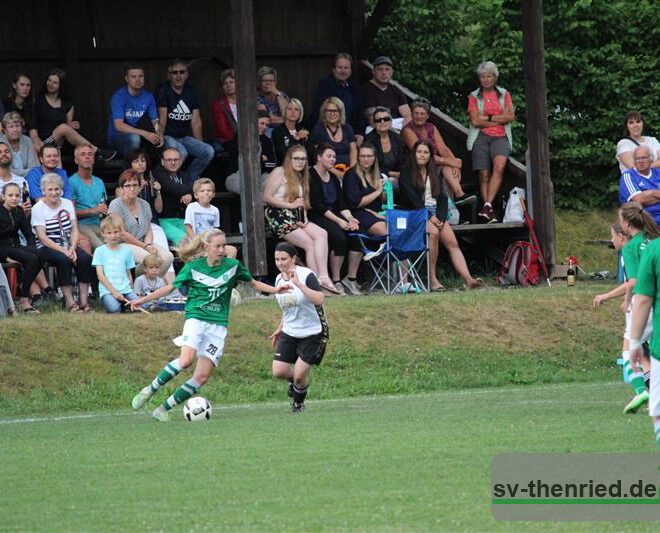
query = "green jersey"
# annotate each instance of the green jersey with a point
(209, 288)
(632, 254)
(648, 284)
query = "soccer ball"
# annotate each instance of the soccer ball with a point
(197, 409)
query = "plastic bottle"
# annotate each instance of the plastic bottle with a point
(389, 195)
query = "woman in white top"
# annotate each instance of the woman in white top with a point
(54, 224)
(302, 335)
(633, 126)
(286, 195)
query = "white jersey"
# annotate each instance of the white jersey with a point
(301, 318)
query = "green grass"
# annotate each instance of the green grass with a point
(389, 463)
(379, 345)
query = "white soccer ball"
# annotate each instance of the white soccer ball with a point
(197, 409)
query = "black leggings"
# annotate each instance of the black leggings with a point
(30, 262)
(338, 241)
(63, 265)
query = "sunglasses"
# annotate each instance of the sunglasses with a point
(382, 119)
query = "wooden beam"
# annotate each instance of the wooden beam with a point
(254, 235)
(373, 24)
(542, 194)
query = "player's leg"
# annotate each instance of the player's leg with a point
(285, 356)
(654, 399)
(169, 372)
(300, 385)
(635, 375)
(208, 345)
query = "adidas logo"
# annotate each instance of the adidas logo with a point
(180, 112)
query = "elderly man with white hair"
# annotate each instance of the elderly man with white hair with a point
(491, 112)
(642, 183)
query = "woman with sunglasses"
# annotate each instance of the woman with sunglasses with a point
(286, 195)
(388, 144)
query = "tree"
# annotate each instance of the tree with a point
(601, 62)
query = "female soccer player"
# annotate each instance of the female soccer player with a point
(302, 335)
(641, 229)
(210, 280)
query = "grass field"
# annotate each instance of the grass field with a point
(389, 463)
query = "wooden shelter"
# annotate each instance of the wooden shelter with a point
(93, 40)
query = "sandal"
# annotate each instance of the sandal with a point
(439, 288)
(87, 308)
(29, 310)
(73, 308)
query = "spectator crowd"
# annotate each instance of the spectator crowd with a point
(324, 171)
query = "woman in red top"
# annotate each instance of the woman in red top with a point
(224, 111)
(491, 113)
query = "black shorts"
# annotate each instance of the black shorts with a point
(310, 349)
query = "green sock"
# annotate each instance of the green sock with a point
(185, 391)
(170, 371)
(637, 382)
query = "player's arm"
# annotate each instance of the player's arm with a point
(275, 336)
(640, 315)
(617, 292)
(158, 293)
(264, 287)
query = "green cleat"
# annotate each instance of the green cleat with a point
(140, 398)
(634, 404)
(161, 414)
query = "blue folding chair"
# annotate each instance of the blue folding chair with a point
(407, 251)
(401, 262)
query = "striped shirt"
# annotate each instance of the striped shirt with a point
(57, 221)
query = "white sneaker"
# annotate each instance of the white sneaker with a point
(339, 288)
(369, 256)
(351, 287)
(140, 398)
(161, 414)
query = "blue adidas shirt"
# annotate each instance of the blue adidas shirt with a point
(632, 183)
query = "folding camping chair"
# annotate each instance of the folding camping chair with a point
(402, 265)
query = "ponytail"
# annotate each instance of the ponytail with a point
(634, 214)
(194, 248)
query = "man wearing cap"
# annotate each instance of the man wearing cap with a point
(378, 91)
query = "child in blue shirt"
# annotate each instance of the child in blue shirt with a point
(113, 262)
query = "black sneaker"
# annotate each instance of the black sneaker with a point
(298, 408)
(103, 154)
(37, 301)
(465, 199)
(485, 215)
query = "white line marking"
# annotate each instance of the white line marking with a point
(467, 392)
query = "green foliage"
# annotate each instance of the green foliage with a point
(601, 62)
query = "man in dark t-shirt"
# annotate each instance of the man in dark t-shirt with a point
(178, 111)
(378, 91)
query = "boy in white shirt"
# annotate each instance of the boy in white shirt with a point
(201, 215)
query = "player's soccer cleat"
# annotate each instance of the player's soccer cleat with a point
(161, 414)
(140, 398)
(298, 408)
(634, 404)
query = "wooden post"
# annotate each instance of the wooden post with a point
(542, 198)
(254, 236)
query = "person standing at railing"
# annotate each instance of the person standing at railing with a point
(489, 138)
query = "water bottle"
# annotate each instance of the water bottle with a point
(104, 200)
(389, 195)
(26, 192)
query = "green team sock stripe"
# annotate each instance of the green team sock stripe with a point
(637, 383)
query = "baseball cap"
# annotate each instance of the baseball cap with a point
(382, 60)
